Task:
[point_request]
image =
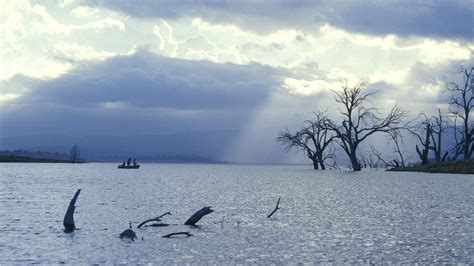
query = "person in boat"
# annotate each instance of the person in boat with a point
(129, 161)
(134, 162)
(123, 164)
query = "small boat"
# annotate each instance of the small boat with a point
(121, 166)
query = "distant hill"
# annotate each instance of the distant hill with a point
(25, 159)
(23, 155)
(196, 147)
(35, 154)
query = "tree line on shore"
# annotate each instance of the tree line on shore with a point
(359, 120)
(21, 155)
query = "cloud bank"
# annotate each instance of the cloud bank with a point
(440, 19)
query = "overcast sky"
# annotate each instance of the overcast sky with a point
(143, 67)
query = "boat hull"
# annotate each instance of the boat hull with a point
(128, 166)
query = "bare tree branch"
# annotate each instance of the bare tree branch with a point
(360, 121)
(156, 219)
(423, 131)
(460, 107)
(276, 208)
(313, 139)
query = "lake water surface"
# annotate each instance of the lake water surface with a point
(331, 216)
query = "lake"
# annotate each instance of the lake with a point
(325, 216)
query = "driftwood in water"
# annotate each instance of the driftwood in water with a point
(156, 219)
(129, 233)
(158, 225)
(276, 208)
(187, 234)
(221, 222)
(68, 221)
(198, 215)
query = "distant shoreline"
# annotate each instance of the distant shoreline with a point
(27, 159)
(450, 167)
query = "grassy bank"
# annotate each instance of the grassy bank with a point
(451, 167)
(24, 159)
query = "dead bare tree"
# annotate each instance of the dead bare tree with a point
(75, 153)
(360, 121)
(331, 158)
(397, 139)
(313, 139)
(370, 159)
(320, 137)
(381, 160)
(297, 141)
(423, 131)
(460, 106)
(438, 127)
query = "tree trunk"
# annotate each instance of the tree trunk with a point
(320, 161)
(426, 147)
(467, 137)
(354, 162)
(437, 156)
(445, 156)
(323, 166)
(315, 164)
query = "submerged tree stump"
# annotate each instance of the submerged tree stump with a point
(128, 234)
(198, 215)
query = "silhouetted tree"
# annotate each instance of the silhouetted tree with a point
(359, 121)
(438, 127)
(396, 138)
(320, 137)
(297, 141)
(460, 106)
(313, 139)
(370, 159)
(423, 131)
(75, 153)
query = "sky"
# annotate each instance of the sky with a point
(243, 69)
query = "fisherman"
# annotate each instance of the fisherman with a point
(134, 162)
(129, 161)
(123, 164)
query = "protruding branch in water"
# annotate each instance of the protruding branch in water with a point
(68, 221)
(187, 234)
(276, 208)
(221, 222)
(156, 219)
(198, 215)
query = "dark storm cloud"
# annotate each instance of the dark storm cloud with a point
(150, 104)
(148, 80)
(444, 19)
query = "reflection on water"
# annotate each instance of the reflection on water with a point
(324, 217)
